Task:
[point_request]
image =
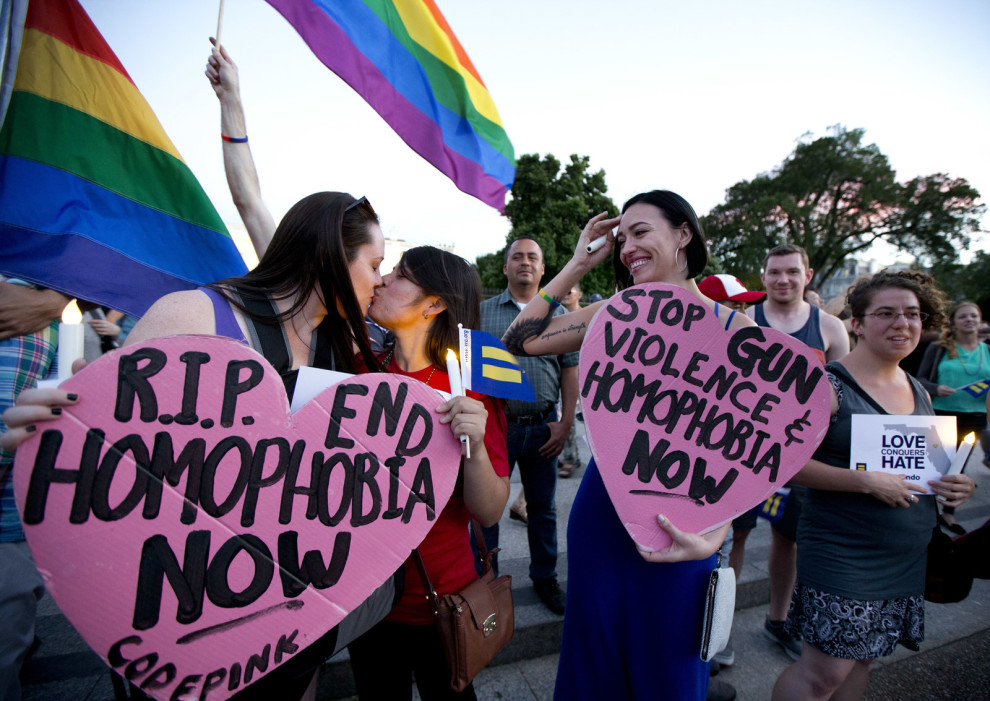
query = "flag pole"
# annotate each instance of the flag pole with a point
(219, 23)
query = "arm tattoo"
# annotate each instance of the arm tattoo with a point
(573, 327)
(522, 331)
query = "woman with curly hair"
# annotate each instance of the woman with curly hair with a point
(957, 359)
(863, 536)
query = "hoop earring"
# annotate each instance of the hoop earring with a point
(676, 265)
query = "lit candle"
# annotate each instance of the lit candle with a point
(962, 454)
(70, 340)
(457, 390)
(454, 373)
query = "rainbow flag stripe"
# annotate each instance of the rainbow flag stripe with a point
(402, 57)
(95, 200)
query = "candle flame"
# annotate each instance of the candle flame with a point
(71, 314)
(451, 355)
(970, 438)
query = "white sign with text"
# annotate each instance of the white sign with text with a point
(919, 447)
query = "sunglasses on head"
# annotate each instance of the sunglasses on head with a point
(359, 202)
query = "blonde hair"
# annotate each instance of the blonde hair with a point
(947, 339)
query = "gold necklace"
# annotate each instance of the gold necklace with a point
(979, 354)
(388, 361)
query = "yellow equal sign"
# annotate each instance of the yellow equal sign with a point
(772, 505)
(495, 372)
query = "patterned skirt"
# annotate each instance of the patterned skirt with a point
(853, 629)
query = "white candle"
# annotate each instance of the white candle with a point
(962, 454)
(457, 390)
(70, 340)
(454, 373)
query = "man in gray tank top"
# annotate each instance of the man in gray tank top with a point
(786, 273)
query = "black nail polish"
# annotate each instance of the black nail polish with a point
(31, 429)
(73, 396)
(56, 411)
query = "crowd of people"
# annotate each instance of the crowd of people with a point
(847, 558)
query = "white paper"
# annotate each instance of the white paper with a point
(919, 447)
(310, 382)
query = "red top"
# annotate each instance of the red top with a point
(446, 551)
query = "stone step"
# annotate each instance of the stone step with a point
(538, 632)
(64, 668)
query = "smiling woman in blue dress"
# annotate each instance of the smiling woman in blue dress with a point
(633, 624)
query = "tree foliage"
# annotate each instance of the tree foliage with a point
(967, 281)
(551, 205)
(836, 196)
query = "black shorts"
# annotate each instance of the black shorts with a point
(788, 523)
(746, 521)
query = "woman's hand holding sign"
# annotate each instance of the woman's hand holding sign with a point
(953, 490)
(32, 406)
(685, 546)
(892, 490)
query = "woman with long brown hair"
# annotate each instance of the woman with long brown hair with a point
(421, 302)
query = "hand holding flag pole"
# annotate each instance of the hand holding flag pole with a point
(219, 23)
(457, 390)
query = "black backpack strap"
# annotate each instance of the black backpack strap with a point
(268, 336)
(323, 355)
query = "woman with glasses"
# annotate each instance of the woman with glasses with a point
(863, 536)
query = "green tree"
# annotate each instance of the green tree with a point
(836, 196)
(551, 205)
(967, 281)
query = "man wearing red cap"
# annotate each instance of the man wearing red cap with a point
(729, 292)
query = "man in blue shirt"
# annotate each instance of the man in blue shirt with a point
(536, 436)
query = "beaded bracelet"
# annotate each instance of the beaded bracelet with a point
(233, 139)
(550, 300)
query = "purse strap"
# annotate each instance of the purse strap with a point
(486, 558)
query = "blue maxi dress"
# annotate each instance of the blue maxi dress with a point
(632, 628)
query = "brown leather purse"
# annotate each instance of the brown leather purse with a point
(476, 622)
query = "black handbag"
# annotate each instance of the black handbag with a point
(948, 575)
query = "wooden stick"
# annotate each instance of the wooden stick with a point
(219, 23)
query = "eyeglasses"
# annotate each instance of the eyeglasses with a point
(889, 315)
(359, 202)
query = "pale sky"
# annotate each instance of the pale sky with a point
(689, 96)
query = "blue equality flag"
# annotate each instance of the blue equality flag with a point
(977, 389)
(488, 368)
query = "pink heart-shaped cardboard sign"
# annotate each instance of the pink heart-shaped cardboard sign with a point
(690, 420)
(185, 521)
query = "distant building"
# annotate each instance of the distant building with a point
(845, 276)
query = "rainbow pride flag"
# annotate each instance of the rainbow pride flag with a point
(403, 59)
(95, 201)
